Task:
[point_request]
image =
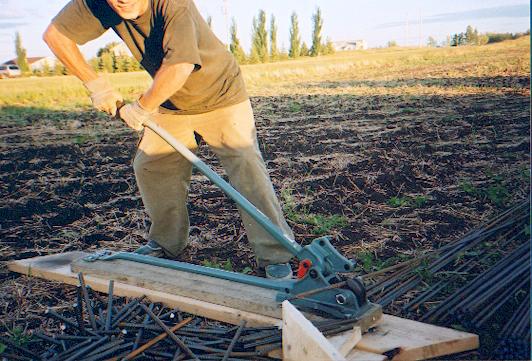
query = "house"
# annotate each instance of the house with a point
(37, 63)
(120, 50)
(350, 45)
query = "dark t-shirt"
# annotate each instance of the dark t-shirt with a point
(169, 32)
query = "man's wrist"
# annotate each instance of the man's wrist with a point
(98, 84)
(145, 105)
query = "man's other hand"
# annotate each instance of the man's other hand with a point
(103, 96)
(134, 115)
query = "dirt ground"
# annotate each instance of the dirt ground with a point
(390, 175)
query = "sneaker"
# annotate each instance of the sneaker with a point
(281, 271)
(151, 249)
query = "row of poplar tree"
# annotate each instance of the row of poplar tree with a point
(264, 47)
(264, 42)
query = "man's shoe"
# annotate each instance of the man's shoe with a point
(281, 271)
(151, 249)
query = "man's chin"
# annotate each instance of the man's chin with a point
(129, 15)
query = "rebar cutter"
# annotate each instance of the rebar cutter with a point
(322, 286)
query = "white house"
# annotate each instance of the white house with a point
(120, 50)
(37, 63)
(350, 45)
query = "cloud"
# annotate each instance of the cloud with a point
(11, 25)
(509, 11)
(12, 10)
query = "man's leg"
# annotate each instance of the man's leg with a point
(232, 135)
(163, 177)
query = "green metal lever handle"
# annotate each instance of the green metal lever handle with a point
(291, 245)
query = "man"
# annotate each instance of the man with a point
(197, 88)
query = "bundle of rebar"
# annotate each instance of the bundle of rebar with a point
(479, 300)
(109, 328)
(469, 281)
(95, 328)
(514, 339)
(508, 227)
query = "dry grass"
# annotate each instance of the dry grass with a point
(358, 72)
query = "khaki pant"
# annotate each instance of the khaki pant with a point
(163, 177)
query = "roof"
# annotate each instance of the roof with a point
(30, 60)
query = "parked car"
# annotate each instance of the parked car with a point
(9, 71)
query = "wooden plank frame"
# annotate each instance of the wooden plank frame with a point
(405, 339)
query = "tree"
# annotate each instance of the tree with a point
(483, 39)
(22, 60)
(106, 49)
(259, 42)
(105, 63)
(304, 51)
(461, 39)
(95, 63)
(60, 69)
(124, 63)
(116, 61)
(431, 42)
(392, 44)
(317, 20)
(46, 70)
(135, 65)
(295, 38)
(235, 46)
(328, 48)
(274, 50)
(471, 36)
(458, 39)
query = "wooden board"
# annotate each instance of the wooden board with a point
(58, 268)
(412, 340)
(221, 292)
(405, 339)
(303, 341)
(345, 342)
(359, 355)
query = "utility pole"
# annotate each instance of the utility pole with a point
(407, 35)
(225, 10)
(420, 25)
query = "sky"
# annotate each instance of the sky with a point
(408, 22)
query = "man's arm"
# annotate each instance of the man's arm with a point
(68, 53)
(167, 81)
(103, 96)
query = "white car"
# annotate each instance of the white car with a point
(9, 71)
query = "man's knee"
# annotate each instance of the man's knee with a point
(140, 163)
(172, 166)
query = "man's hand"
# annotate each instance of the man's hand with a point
(103, 96)
(134, 115)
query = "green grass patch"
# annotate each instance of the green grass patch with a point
(226, 265)
(19, 336)
(408, 111)
(416, 202)
(424, 272)
(295, 107)
(368, 262)
(497, 191)
(321, 224)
